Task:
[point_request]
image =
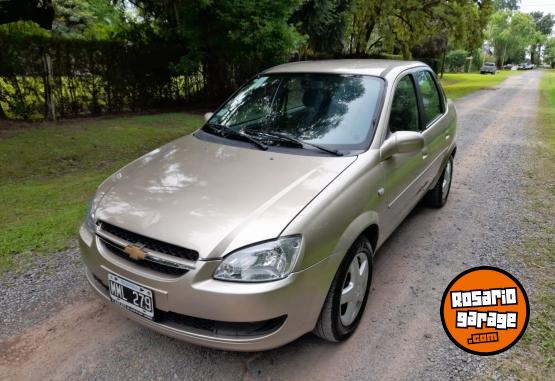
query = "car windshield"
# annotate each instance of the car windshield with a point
(318, 109)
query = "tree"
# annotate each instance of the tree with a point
(39, 11)
(507, 5)
(544, 26)
(544, 22)
(407, 24)
(511, 34)
(324, 22)
(89, 19)
(230, 39)
(365, 18)
(549, 55)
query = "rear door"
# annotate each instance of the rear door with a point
(435, 123)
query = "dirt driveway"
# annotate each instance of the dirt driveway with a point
(54, 328)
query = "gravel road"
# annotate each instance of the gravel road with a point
(54, 328)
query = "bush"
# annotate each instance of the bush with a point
(477, 59)
(455, 60)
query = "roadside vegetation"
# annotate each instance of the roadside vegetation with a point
(457, 85)
(534, 357)
(49, 172)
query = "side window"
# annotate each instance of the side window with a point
(430, 95)
(404, 109)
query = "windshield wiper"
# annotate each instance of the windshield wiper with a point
(224, 130)
(301, 143)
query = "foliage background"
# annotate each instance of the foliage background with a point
(108, 56)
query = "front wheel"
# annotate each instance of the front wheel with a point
(347, 296)
(437, 197)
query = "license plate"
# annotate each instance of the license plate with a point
(131, 296)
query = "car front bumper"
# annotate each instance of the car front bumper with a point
(290, 306)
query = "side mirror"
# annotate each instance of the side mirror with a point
(401, 142)
(207, 116)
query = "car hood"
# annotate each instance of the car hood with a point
(214, 198)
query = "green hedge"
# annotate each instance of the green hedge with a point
(91, 77)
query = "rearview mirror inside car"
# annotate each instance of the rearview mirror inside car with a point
(207, 116)
(401, 142)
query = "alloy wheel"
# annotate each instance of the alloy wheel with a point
(354, 289)
(446, 184)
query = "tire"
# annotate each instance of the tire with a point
(437, 196)
(337, 321)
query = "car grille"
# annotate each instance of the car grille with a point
(118, 251)
(150, 243)
(160, 256)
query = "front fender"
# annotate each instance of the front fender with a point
(354, 230)
(332, 222)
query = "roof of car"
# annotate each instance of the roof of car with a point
(346, 66)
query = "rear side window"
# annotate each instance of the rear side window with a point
(430, 96)
(404, 108)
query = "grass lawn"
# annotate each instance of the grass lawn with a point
(457, 85)
(49, 172)
(534, 357)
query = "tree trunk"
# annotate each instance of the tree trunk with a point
(48, 86)
(406, 51)
(369, 29)
(3, 115)
(443, 61)
(504, 53)
(351, 39)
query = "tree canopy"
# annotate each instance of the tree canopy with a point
(507, 5)
(39, 11)
(404, 25)
(89, 19)
(217, 45)
(511, 33)
(544, 27)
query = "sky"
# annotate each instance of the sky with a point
(546, 6)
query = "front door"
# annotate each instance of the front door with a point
(403, 182)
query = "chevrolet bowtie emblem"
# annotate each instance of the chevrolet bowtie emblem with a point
(134, 252)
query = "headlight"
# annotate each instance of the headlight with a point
(262, 262)
(90, 220)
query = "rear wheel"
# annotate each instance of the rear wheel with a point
(437, 197)
(347, 296)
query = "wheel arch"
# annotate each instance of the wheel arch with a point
(372, 232)
(367, 225)
(452, 153)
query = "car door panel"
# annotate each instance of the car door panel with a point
(404, 171)
(436, 122)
